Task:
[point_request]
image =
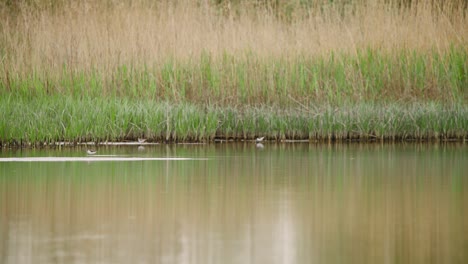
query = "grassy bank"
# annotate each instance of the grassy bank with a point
(51, 119)
(196, 70)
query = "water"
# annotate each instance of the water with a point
(231, 203)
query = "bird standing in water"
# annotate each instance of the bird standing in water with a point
(258, 140)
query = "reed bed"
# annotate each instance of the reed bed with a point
(196, 70)
(370, 75)
(57, 118)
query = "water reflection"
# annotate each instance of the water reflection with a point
(280, 204)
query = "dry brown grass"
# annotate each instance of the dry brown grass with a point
(103, 35)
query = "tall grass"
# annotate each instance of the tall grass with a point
(235, 52)
(370, 75)
(58, 118)
(196, 70)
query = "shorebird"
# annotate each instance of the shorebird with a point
(258, 140)
(91, 152)
(141, 140)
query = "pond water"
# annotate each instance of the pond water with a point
(236, 203)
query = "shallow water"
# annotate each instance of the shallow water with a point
(236, 203)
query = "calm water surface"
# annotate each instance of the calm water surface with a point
(287, 203)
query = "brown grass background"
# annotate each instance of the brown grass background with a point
(44, 35)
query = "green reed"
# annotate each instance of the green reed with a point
(66, 118)
(369, 75)
(370, 95)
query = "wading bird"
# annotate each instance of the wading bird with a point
(91, 152)
(258, 140)
(141, 140)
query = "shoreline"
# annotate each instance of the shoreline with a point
(218, 141)
(46, 120)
